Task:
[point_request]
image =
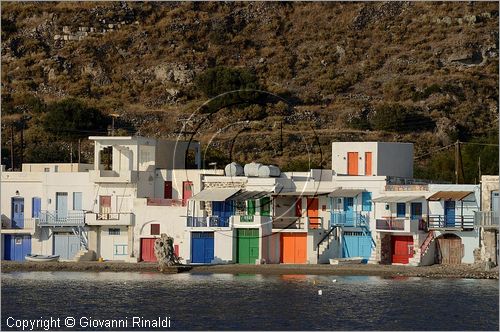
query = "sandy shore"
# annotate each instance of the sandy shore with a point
(435, 271)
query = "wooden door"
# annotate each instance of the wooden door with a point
(17, 212)
(187, 190)
(352, 163)
(104, 204)
(402, 249)
(167, 190)
(449, 250)
(312, 212)
(368, 163)
(148, 250)
(449, 213)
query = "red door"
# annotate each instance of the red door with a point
(352, 163)
(187, 190)
(298, 207)
(402, 249)
(312, 212)
(167, 190)
(148, 250)
(104, 206)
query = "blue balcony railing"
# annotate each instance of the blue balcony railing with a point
(348, 219)
(212, 221)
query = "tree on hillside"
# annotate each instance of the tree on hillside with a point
(71, 119)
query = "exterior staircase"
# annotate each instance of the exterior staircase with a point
(82, 235)
(325, 242)
(85, 256)
(424, 248)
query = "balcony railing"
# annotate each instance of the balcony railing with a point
(442, 221)
(57, 218)
(297, 223)
(486, 219)
(116, 219)
(27, 225)
(110, 176)
(212, 221)
(394, 224)
(349, 219)
(165, 202)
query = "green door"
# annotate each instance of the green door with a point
(248, 246)
(251, 207)
(265, 206)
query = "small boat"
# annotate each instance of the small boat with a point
(347, 261)
(42, 258)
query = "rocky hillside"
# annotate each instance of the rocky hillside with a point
(400, 71)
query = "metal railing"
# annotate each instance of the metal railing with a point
(349, 219)
(486, 219)
(443, 221)
(390, 223)
(165, 202)
(28, 223)
(212, 221)
(57, 218)
(289, 223)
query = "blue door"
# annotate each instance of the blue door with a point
(17, 212)
(449, 213)
(349, 211)
(66, 245)
(16, 247)
(36, 207)
(416, 211)
(223, 210)
(202, 247)
(401, 210)
(356, 244)
(61, 206)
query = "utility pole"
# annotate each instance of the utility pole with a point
(12, 147)
(71, 153)
(79, 150)
(22, 141)
(456, 162)
(281, 136)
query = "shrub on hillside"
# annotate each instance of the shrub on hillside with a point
(399, 118)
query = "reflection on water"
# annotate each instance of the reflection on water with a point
(256, 302)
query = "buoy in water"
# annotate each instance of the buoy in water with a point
(320, 292)
(334, 280)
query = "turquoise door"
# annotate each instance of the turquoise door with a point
(17, 212)
(349, 211)
(449, 213)
(61, 206)
(356, 244)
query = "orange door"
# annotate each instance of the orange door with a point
(352, 163)
(312, 212)
(368, 163)
(294, 248)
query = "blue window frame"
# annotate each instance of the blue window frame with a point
(366, 201)
(400, 210)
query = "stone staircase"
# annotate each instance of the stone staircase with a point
(85, 255)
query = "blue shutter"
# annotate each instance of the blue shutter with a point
(36, 207)
(366, 199)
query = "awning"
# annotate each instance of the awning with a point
(346, 192)
(302, 193)
(397, 199)
(449, 195)
(215, 194)
(251, 194)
